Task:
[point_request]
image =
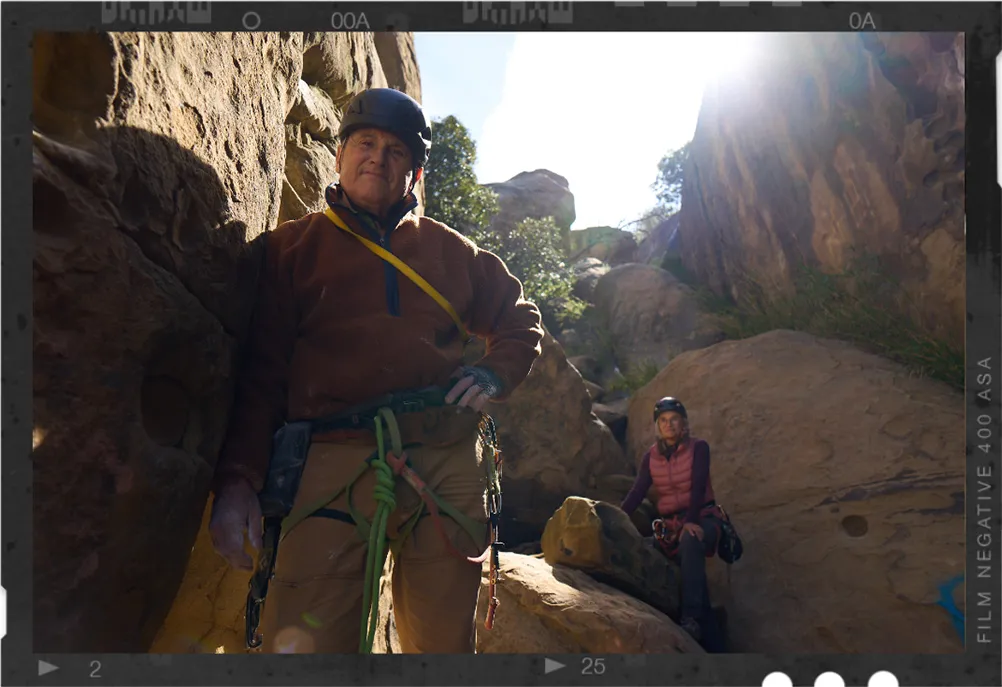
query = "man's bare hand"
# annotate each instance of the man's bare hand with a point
(236, 512)
(468, 393)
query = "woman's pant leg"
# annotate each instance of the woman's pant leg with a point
(692, 561)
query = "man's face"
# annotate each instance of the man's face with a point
(375, 169)
(670, 425)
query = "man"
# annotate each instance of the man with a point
(335, 326)
(678, 466)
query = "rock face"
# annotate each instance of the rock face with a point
(587, 272)
(660, 240)
(836, 146)
(650, 315)
(844, 476)
(552, 445)
(157, 160)
(614, 415)
(536, 194)
(607, 244)
(600, 539)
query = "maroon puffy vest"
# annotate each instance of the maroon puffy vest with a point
(673, 478)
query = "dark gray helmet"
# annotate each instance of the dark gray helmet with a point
(390, 110)
(669, 404)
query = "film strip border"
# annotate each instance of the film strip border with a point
(974, 668)
(177, 15)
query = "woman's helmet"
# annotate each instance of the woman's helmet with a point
(669, 404)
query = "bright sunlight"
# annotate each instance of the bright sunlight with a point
(600, 109)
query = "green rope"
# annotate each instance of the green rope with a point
(386, 503)
(376, 554)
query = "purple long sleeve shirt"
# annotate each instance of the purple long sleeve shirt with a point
(700, 475)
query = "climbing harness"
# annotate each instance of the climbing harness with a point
(668, 529)
(389, 462)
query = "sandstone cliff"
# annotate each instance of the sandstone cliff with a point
(835, 145)
(158, 159)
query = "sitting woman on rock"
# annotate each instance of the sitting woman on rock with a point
(678, 466)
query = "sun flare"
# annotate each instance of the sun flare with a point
(729, 55)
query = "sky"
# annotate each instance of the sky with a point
(600, 109)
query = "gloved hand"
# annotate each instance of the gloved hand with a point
(476, 386)
(235, 512)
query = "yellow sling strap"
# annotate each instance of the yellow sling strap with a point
(407, 271)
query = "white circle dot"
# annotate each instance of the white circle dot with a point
(777, 679)
(883, 678)
(829, 679)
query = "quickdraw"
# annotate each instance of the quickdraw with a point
(489, 441)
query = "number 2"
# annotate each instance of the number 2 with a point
(95, 666)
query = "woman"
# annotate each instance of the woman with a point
(678, 466)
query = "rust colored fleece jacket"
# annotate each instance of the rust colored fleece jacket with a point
(334, 325)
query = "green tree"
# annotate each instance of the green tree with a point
(452, 194)
(668, 184)
(533, 251)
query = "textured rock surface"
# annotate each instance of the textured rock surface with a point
(587, 272)
(614, 415)
(131, 389)
(845, 478)
(158, 159)
(600, 539)
(536, 194)
(554, 609)
(552, 444)
(399, 60)
(650, 315)
(561, 610)
(836, 145)
(207, 616)
(619, 248)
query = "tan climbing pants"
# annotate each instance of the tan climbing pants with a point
(314, 602)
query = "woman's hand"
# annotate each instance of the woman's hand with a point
(693, 529)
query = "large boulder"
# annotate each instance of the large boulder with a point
(158, 159)
(844, 475)
(554, 609)
(587, 272)
(600, 539)
(615, 415)
(536, 194)
(834, 148)
(606, 244)
(553, 446)
(650, 315)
